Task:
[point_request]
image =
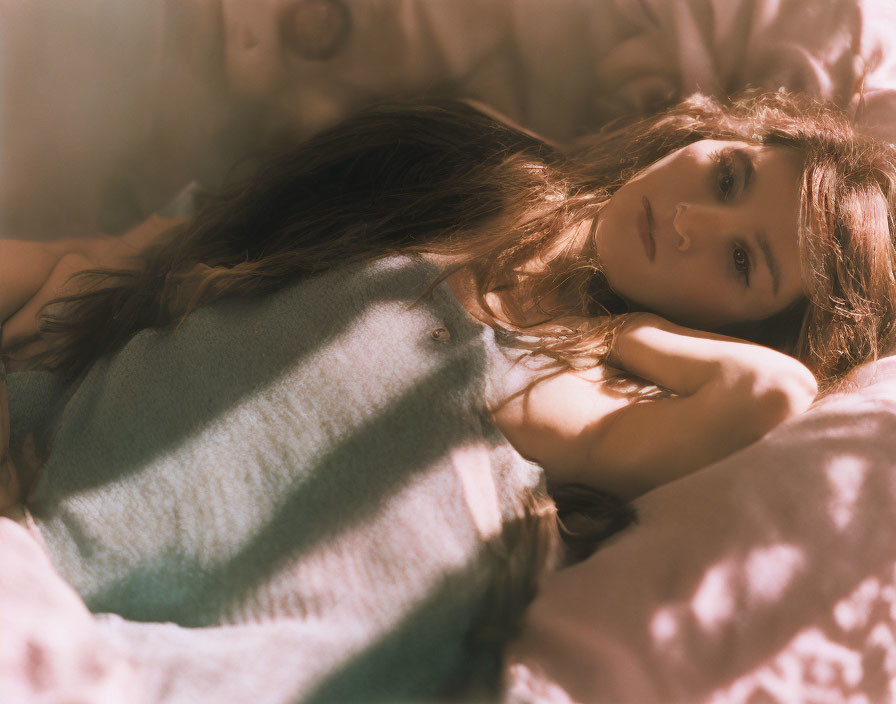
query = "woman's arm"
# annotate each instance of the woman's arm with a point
(31, 275)
(729, 393)
(686, 361)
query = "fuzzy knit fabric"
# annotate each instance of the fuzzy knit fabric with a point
(311, 475)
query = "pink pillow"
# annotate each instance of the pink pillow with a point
(769, 576)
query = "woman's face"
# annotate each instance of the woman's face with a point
(707, 235)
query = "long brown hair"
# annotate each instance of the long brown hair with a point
(444, 176)
(438, 176)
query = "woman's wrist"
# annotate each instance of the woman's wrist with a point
(666, 354)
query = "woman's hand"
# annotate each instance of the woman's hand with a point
(15, 481)
(11, 492)
(34, 273)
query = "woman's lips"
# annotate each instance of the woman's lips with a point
(645, 229)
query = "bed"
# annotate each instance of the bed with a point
(769, 576)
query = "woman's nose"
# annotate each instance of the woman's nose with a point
(689, 224)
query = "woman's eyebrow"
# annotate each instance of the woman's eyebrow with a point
(770, 260)
(748, 168)
(745, 159)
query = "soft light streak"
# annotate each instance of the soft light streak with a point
(846, 477)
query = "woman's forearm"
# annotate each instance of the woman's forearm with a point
(34, 273)
(685, 361)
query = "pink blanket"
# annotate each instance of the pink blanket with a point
(50, 647)
(769, 576)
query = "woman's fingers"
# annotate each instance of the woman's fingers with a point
(22, 327)
(10, 488)
(16, 481)
(10, 484)
(24, 266)
(34, 273)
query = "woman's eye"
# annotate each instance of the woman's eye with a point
(742, 263)
(726, 175)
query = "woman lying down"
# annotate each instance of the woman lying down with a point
(345, 394)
